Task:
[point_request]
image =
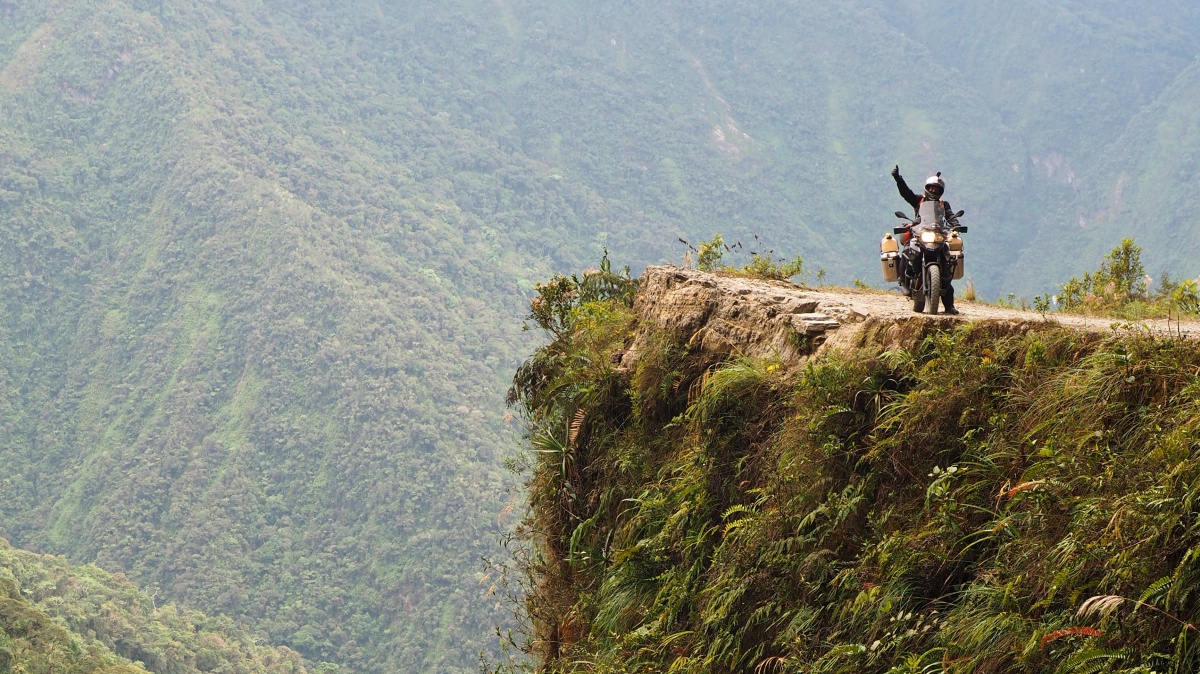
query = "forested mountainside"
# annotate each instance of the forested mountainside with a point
(253, 349)
(265, 263)
(1065, 76)
(691, 118)
(1146, 186)
(59, 619)
(782, 118)
(915, 495)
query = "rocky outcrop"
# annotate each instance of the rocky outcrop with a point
(736, 314)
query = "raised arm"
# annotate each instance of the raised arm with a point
(907, 194)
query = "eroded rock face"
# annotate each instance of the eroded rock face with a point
(733, 314)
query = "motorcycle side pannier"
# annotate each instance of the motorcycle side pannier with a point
(891, 268)
(956, 255)
(889, 259)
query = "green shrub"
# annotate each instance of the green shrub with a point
(710, 254)
(710, 257)
(763, 266)
(1119, 288)
(1186, 297)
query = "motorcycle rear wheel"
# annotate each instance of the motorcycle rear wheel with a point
(934, 287)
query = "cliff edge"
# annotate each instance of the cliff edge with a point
(737, 475)
(726, 312)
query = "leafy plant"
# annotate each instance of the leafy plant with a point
(1186, 297)
(764, 266)
(1041, 304)
(556, 300)
(710, 253)
(1121, 275)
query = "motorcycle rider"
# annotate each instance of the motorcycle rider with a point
(935, 187)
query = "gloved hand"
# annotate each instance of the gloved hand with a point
(896, 171)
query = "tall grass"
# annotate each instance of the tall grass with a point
(948, 508)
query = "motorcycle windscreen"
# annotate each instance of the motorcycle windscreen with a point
(932, 213)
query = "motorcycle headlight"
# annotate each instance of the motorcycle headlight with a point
(930, 236)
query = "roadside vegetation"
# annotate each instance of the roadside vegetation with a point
(989, 500)
(755, 261)
(1119, 288)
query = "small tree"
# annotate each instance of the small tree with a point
(1120, 278)
(1166, 285)
(1121, 274)
(1073, 292)
(711, 252)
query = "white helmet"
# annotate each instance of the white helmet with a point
(935, 185)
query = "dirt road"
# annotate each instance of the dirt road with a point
(893, 305)
(759, 318)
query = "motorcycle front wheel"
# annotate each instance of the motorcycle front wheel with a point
(934, 286)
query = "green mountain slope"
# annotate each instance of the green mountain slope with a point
(247, 350)
(60, 619)
(1145, 187)
(693, 118)
(1066, 76)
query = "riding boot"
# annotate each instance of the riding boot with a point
(948, 299)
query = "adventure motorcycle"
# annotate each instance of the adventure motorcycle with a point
(933, 253)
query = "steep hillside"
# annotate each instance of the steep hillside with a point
(59, 619)
(945, 495)
(1145, 186)
(698, 117)
(250, 356)
(1065, 76)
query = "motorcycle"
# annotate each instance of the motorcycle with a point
(933, 253)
